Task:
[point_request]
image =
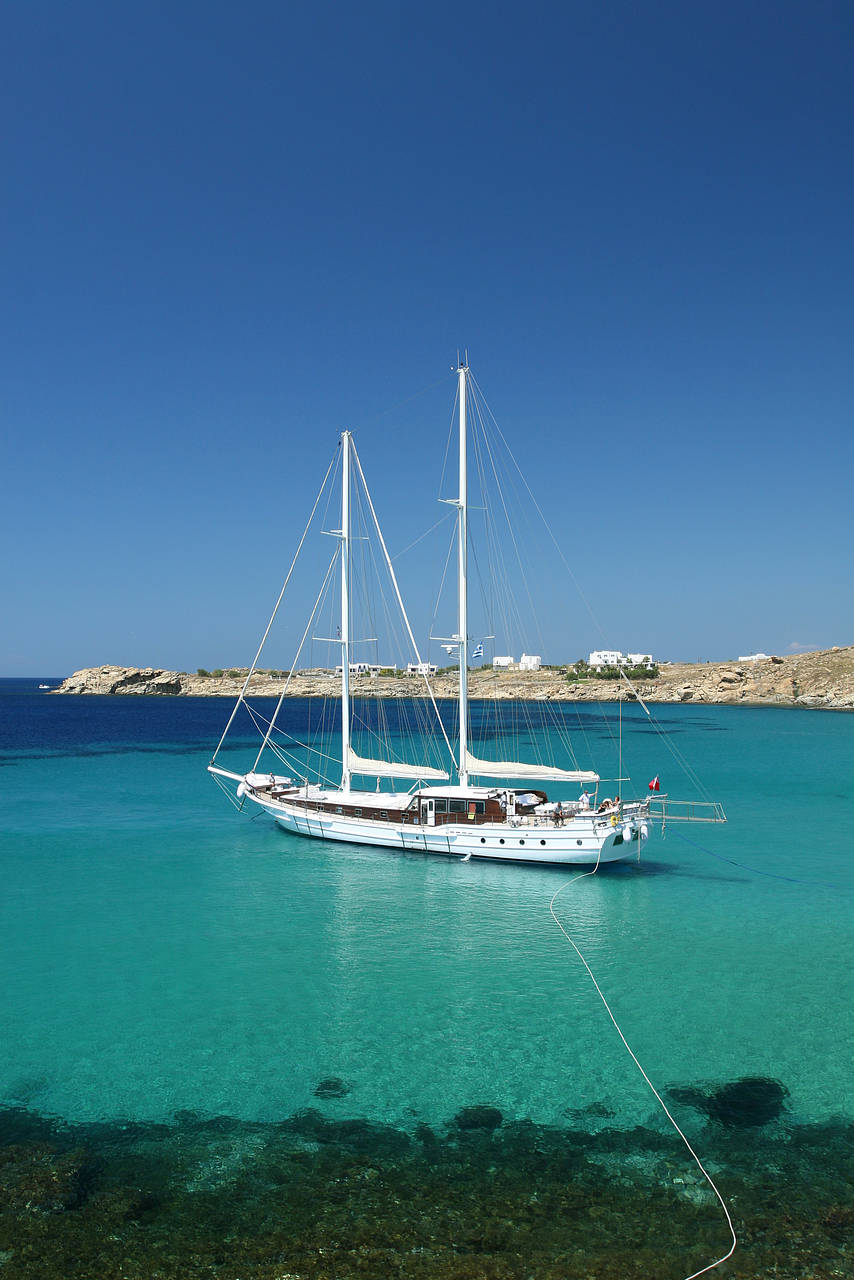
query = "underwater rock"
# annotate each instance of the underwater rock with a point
(478, 1117)
(356, 1134)
(741, 1104)
(754, 1100)
(332, 1087)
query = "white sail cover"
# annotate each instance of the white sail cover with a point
(388, 769)
(519, 769)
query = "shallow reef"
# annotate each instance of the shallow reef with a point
(481, 1198)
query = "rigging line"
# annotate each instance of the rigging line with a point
(397, 593)
(491, 459)
(258, 720)
(296, 658)
(541, 514)
(689, 772)
(422, 536)
(485, 454)
(451, 548)
(276, 609)
(711, 1266)
(771, 875)
(448, 443)
(400, 403)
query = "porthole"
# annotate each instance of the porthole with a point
(483, 839)
(501, 841)
(542, 842)
(578, 842)
(521, 841)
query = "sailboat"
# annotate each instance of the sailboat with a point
(473, 808)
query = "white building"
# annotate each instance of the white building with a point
(368, 668)
(498, 663)
(755, 657)
(421, 669)
(530, 662)
(614, 658)
(605, 658)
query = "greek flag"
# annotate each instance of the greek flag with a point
(478, 651)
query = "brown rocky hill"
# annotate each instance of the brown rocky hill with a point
(821, 679)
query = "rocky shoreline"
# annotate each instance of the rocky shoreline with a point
(824, 679)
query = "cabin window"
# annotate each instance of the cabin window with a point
(456, 806)
(441, 806)
(383, 813)
(338, 809)
(357, 813)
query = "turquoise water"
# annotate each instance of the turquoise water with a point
(164, 956)
(162, 952)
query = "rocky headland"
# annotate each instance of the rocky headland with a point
(822, 679)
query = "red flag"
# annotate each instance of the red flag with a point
(653, 786)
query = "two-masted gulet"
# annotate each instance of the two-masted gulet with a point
(510, 820)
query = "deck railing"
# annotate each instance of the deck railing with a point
(663, 809)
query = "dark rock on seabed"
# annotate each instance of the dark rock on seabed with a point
(315, 1199)
(742, 1104)
(331, 1087)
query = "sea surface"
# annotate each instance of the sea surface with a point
(284, 1057)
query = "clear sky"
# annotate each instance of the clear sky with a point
(228, 232)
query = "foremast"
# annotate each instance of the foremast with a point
(462, 578)
(345, 610)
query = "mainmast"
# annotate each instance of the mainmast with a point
(462, 579)
(345, 611)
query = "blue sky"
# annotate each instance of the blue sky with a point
(230, 232)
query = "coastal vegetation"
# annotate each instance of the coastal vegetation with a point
(581, 670)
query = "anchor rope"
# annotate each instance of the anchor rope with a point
(711, 1266)
(755, 871)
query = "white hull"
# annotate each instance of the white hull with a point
(584, 841)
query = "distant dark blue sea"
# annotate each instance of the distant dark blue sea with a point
(230, 1051)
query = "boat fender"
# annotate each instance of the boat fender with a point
(241, 790)
(628, 830)
(644, 831)
(613, 819)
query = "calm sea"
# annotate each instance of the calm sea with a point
(177, 972)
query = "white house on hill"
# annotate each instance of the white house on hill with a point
(421, 669)
(614, 658)
(498, 663)
(605, 658)
(530, 662)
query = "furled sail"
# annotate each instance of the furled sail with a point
(389, 769)
(520, 769)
